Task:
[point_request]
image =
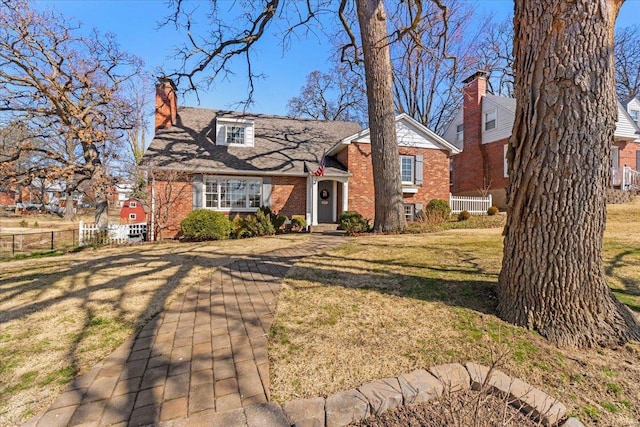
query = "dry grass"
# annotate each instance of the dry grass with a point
(384, 305)
(59, 316)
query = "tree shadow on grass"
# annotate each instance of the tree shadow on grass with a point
(49, 286)
(630, 293)
(414, 280)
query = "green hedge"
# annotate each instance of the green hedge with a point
(203, 224)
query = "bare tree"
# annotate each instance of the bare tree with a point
(627, 51)
(552, 277)
(69, 89)
(430, 64)
(335, 95)
(225, 42)
(495, 56)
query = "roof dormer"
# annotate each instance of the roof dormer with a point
(234, 132)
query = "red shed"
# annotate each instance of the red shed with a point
(132, 212)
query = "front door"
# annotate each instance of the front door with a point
(325, 201)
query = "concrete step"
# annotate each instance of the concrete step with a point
(323, 228)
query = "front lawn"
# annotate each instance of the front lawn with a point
(59, 316)
(384, 305)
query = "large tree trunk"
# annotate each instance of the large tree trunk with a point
(389, 210)
(552, 277)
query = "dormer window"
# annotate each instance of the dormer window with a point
(490, 120)
(635, 116)
(234, 132)
(235, 135)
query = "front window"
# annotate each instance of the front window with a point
(132, 216)
(233, 193)
(459, 133)
(235, 135)
(409, 212)
(490, 120)
(406, 168)
(133, 205)
(635, 115)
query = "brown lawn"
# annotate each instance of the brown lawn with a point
(61, 315)
(384, 305)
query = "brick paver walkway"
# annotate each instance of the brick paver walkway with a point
(205, 355)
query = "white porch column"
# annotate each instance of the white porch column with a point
(314, 200)
(345, 195)
(334, 204)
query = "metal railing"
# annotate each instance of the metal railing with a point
(27, 243)
(625, 178)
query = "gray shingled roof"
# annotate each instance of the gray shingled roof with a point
(282, 145)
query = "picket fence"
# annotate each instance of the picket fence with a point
(473, 205)
(89, 234)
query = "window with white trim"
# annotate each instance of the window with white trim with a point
(232, 193)
(407, 169)
(635, 116)
(460, 133)
(132, 216)
(133, 204)
(490, 120)
(409, 212)
(235, 135)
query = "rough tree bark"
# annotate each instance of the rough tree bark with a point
(552, 277)
(384, 146)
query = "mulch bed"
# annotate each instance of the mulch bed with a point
(469, 408)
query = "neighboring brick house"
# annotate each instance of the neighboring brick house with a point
(236, 162)
(482, 127)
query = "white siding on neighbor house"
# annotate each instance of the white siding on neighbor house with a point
(504, 117)
(451, 132)
(625, 128)
(408, 136)
(634, 104)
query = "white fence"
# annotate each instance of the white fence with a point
(473, 205)
(115, 234)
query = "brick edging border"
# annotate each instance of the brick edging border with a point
(374, 398)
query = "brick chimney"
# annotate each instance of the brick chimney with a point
(166, 103)
(470, 165)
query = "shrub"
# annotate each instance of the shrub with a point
(352, 222)
(276, 220)
(203, 224)
(298, 223)
(253, 225)
(437, 209)
(493, 210)
(464, 215)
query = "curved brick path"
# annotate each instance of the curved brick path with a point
(205, 355)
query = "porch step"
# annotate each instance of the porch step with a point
(325, 228)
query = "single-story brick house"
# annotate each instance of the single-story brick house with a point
(481, 130)
(235, 162)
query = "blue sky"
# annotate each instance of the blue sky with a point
(135, 23)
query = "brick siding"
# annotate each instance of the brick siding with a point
(361, 193)
(289, 195)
